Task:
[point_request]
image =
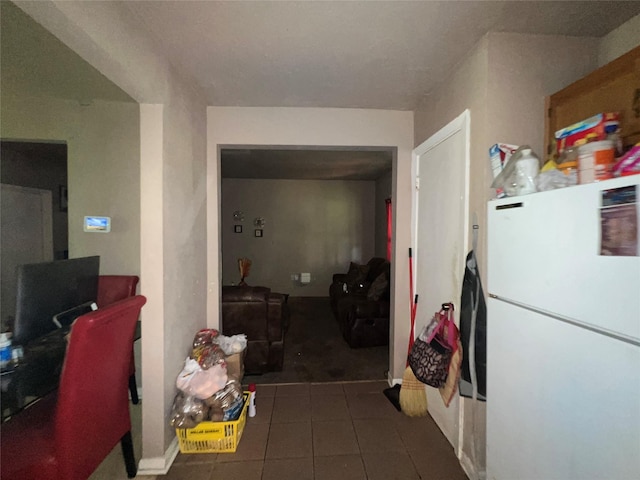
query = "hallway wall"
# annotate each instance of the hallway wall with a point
(319, 126)
(315, 226)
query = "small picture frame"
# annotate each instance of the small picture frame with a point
(257, 232)
(237, 228)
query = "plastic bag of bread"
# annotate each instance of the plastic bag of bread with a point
(226, 397)
(205, 336)
(232, 406)
(187, 411)
(208, 355)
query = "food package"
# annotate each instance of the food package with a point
(202, 384)
(227, 403)
(226, 396)
(206, 350)
(208, 355)
(595, 128)
(187, 411)
(629, 163)
(499, 155)
(205, 336)
(510, 179)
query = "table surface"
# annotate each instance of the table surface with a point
(37, 373)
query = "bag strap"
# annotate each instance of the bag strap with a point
(451, 333)
(445, 316)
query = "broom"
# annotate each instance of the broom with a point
(413, 397)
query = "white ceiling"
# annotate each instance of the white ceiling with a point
(345, 54)
(355, 54)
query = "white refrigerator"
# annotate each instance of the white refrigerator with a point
(563, 334)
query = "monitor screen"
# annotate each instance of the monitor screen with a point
(46, 289)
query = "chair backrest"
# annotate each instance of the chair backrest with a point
(112, 288)
(92, 413)
(245, 310)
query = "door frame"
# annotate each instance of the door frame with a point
(462, 124)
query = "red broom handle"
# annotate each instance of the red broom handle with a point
(413, 305)
(414, 309)
(411, 340)
(411, 279)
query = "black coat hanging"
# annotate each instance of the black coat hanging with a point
(473, 331)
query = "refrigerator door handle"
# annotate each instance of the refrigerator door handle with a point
(506, 206)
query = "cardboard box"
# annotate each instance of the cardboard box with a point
(235, 365)
(593, 128)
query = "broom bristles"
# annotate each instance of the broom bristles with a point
(413, 397)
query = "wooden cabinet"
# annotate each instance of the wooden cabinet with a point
(615, 87)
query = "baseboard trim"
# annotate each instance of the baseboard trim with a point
(159, 465)
(470, 469)
(393, 381)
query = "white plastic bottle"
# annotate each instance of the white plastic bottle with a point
(252, 399)
(527, 168)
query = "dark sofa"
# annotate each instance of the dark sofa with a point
(360, 300)
(263, 316)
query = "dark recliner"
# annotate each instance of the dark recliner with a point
(263, 317)
(361, 304)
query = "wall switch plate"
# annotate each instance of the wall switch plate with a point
(295, 277)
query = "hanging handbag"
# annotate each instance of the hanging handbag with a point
(432, 351)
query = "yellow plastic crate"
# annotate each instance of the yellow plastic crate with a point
(214, 437)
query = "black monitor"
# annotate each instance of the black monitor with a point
(46, 289)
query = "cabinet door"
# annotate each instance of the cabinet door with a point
(611, 88)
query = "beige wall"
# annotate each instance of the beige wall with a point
(466, 88)
(172, 158)
(103, 141)
(619, 41)
(503, 82)
(311, 127)
(315, 226)
(522, 75)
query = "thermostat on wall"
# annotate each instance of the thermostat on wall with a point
(97, 224)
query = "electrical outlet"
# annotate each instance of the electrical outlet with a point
(295, 277)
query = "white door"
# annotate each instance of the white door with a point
(441, 169)
(26, 237)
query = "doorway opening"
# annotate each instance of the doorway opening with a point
(34, 219)
(301, 214)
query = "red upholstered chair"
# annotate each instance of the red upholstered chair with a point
(66, 435)
(112, 288)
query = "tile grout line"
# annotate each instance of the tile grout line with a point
(355, 433)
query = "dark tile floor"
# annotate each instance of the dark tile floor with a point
(328, 431)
